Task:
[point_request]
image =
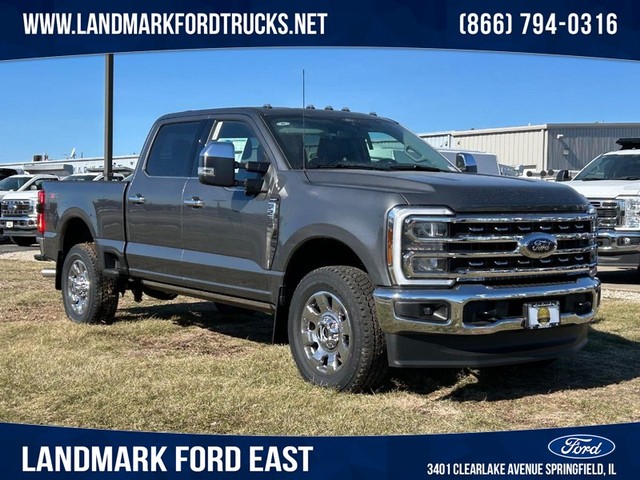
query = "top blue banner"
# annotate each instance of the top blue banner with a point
(49, 28)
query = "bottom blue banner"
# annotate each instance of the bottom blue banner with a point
(28, 451)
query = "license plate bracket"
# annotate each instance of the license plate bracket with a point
(541, 315)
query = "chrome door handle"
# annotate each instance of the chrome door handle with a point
(194, 202)
(137, 199)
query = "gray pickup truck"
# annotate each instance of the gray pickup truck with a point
(368, 247)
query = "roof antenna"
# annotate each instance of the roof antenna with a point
(304, 166)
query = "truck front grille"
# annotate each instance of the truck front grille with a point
(492, 247)
(609, 213)
(16, 208)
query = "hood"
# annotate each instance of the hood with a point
(18, 195)
(459, 191)
(605, 188)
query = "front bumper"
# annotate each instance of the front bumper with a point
(464, 341)
(618, 242)
(20, 226)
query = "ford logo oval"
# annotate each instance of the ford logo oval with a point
(581, 446)
(538, 245)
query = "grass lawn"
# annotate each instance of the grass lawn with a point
(181, 366)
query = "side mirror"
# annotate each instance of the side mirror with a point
(33, 187)
(563, 176)
(217, 164)
(466, 163)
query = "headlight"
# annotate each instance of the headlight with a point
(417, 229)
(416, 245)
(630, 212)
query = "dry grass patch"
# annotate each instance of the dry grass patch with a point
(182, 366)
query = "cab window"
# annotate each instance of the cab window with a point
(174, 149)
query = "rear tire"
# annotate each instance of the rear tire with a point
(23, 241)
(88, 297)
(334, 335)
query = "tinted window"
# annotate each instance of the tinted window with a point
(13, 183)
(325, 141)
(174, 149)
(245, 141)
(612, 167)
(246, 144)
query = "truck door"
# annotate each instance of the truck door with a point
(154, 201)
(224, 230)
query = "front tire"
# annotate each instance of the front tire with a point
(334, 334)
(88, 297)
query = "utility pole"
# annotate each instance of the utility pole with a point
(108, 116)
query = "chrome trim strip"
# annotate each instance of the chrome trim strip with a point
(505, 238)
(501, 253)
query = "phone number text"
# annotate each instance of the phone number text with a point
(538, 24)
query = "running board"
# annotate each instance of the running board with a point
(213, 297)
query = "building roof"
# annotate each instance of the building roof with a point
(529, 128)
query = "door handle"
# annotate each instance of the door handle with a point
(194, 202)
(137, 199)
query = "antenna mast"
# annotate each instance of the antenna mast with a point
(304, 166)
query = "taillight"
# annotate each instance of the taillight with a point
(40, 211)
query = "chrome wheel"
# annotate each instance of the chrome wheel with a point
(326, 332)
(78, 287)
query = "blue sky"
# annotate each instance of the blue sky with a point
(53, 105)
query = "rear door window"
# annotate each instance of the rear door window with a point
(174, 149)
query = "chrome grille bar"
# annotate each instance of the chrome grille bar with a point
(608, 211)
(490, 246)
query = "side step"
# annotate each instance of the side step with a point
(48, 272)
(111, 272)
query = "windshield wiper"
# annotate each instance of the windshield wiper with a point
(420, 168)
(360, 166)
(346, 165)
(625, 178)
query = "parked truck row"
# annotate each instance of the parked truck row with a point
(369, 248)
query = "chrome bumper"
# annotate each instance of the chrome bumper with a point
(618, 242)
(22, 226)
(459, 296)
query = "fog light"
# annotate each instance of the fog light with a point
(437, 312)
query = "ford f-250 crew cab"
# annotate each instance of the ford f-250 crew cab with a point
(368, 247)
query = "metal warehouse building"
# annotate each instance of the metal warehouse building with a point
(551, 146)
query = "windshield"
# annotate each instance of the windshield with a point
(353, 142)
(612, 167)
(13, 183)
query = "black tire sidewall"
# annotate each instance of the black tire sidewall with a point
(317, 281)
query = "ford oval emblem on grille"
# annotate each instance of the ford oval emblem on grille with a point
(538, 245)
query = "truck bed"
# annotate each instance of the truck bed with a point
(99, 204)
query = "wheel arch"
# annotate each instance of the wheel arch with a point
(312, 253)
(75, 230)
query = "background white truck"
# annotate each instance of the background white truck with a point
(18, 195)
(611, 183)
